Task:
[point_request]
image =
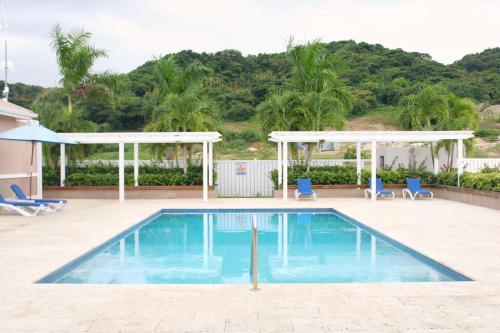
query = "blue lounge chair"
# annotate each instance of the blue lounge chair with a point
(57, 204)
(23, 207)
(414, 188)
(380, 190)
(304, 188)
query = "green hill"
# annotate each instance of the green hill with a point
(379, 77)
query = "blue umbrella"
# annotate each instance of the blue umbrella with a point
(34, 132)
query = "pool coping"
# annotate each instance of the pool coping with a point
(456, 276)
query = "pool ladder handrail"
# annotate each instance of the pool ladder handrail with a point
(255, 252)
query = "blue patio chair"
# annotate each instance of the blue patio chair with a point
(57, 204)
(23, 207)
(304, 188)
(379, 189)
(414, 189)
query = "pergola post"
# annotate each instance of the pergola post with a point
(39, 170)
(205, 171)
(280, 165)
(460, 156)
(121, 171)
(136, 164)
(210, 163)
(285, 171)
(358, 162)
(374, 171)
(62, 165)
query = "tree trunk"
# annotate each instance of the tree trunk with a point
(184, 155)
(452, 152)
(70, 104)
(432, 153)
(310, 147)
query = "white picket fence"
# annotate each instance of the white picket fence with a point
(164, 163)
(478, 164)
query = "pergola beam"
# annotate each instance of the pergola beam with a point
(368, 136)
(145, 137)
(285, 137)
(205, 138)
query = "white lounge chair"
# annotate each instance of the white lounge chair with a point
(23, 207)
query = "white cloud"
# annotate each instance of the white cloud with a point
(134, 31)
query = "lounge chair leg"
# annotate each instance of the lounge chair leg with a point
(20, 211)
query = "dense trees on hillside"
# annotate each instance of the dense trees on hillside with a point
(314, 86)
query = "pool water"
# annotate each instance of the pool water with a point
(214, 246)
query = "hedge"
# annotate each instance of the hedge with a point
(486, 181)
(107, 175)
(345, 175)
(489, 180)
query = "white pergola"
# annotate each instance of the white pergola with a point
(207, 139)
(282, 138)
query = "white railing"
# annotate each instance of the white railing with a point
(317, 163)
(18, 175)
(164, 163)
(478, 164)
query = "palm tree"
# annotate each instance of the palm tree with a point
(187, 112)
(314, 67)
(75, 57)
(170, 78)
(425, 111)
(463, 115)
(324, 110)
(53, 114)
(181, 104)
(328, 99)
(283, 111)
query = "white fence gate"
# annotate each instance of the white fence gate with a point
(478, 164)
(245, 178)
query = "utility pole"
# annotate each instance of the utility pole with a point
(3, 30)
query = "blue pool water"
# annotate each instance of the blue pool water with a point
(214, 246)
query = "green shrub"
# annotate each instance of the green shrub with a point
(344, 175)
(488, 133)
(447, 178)
(50, 177)
(101, 174)
(239, 144)
(89, 179)
(399, 176)
(486, 181)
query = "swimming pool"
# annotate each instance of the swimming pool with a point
(213, 246)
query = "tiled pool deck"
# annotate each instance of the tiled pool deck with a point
(464, 237)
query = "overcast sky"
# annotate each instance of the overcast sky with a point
(134, 31)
